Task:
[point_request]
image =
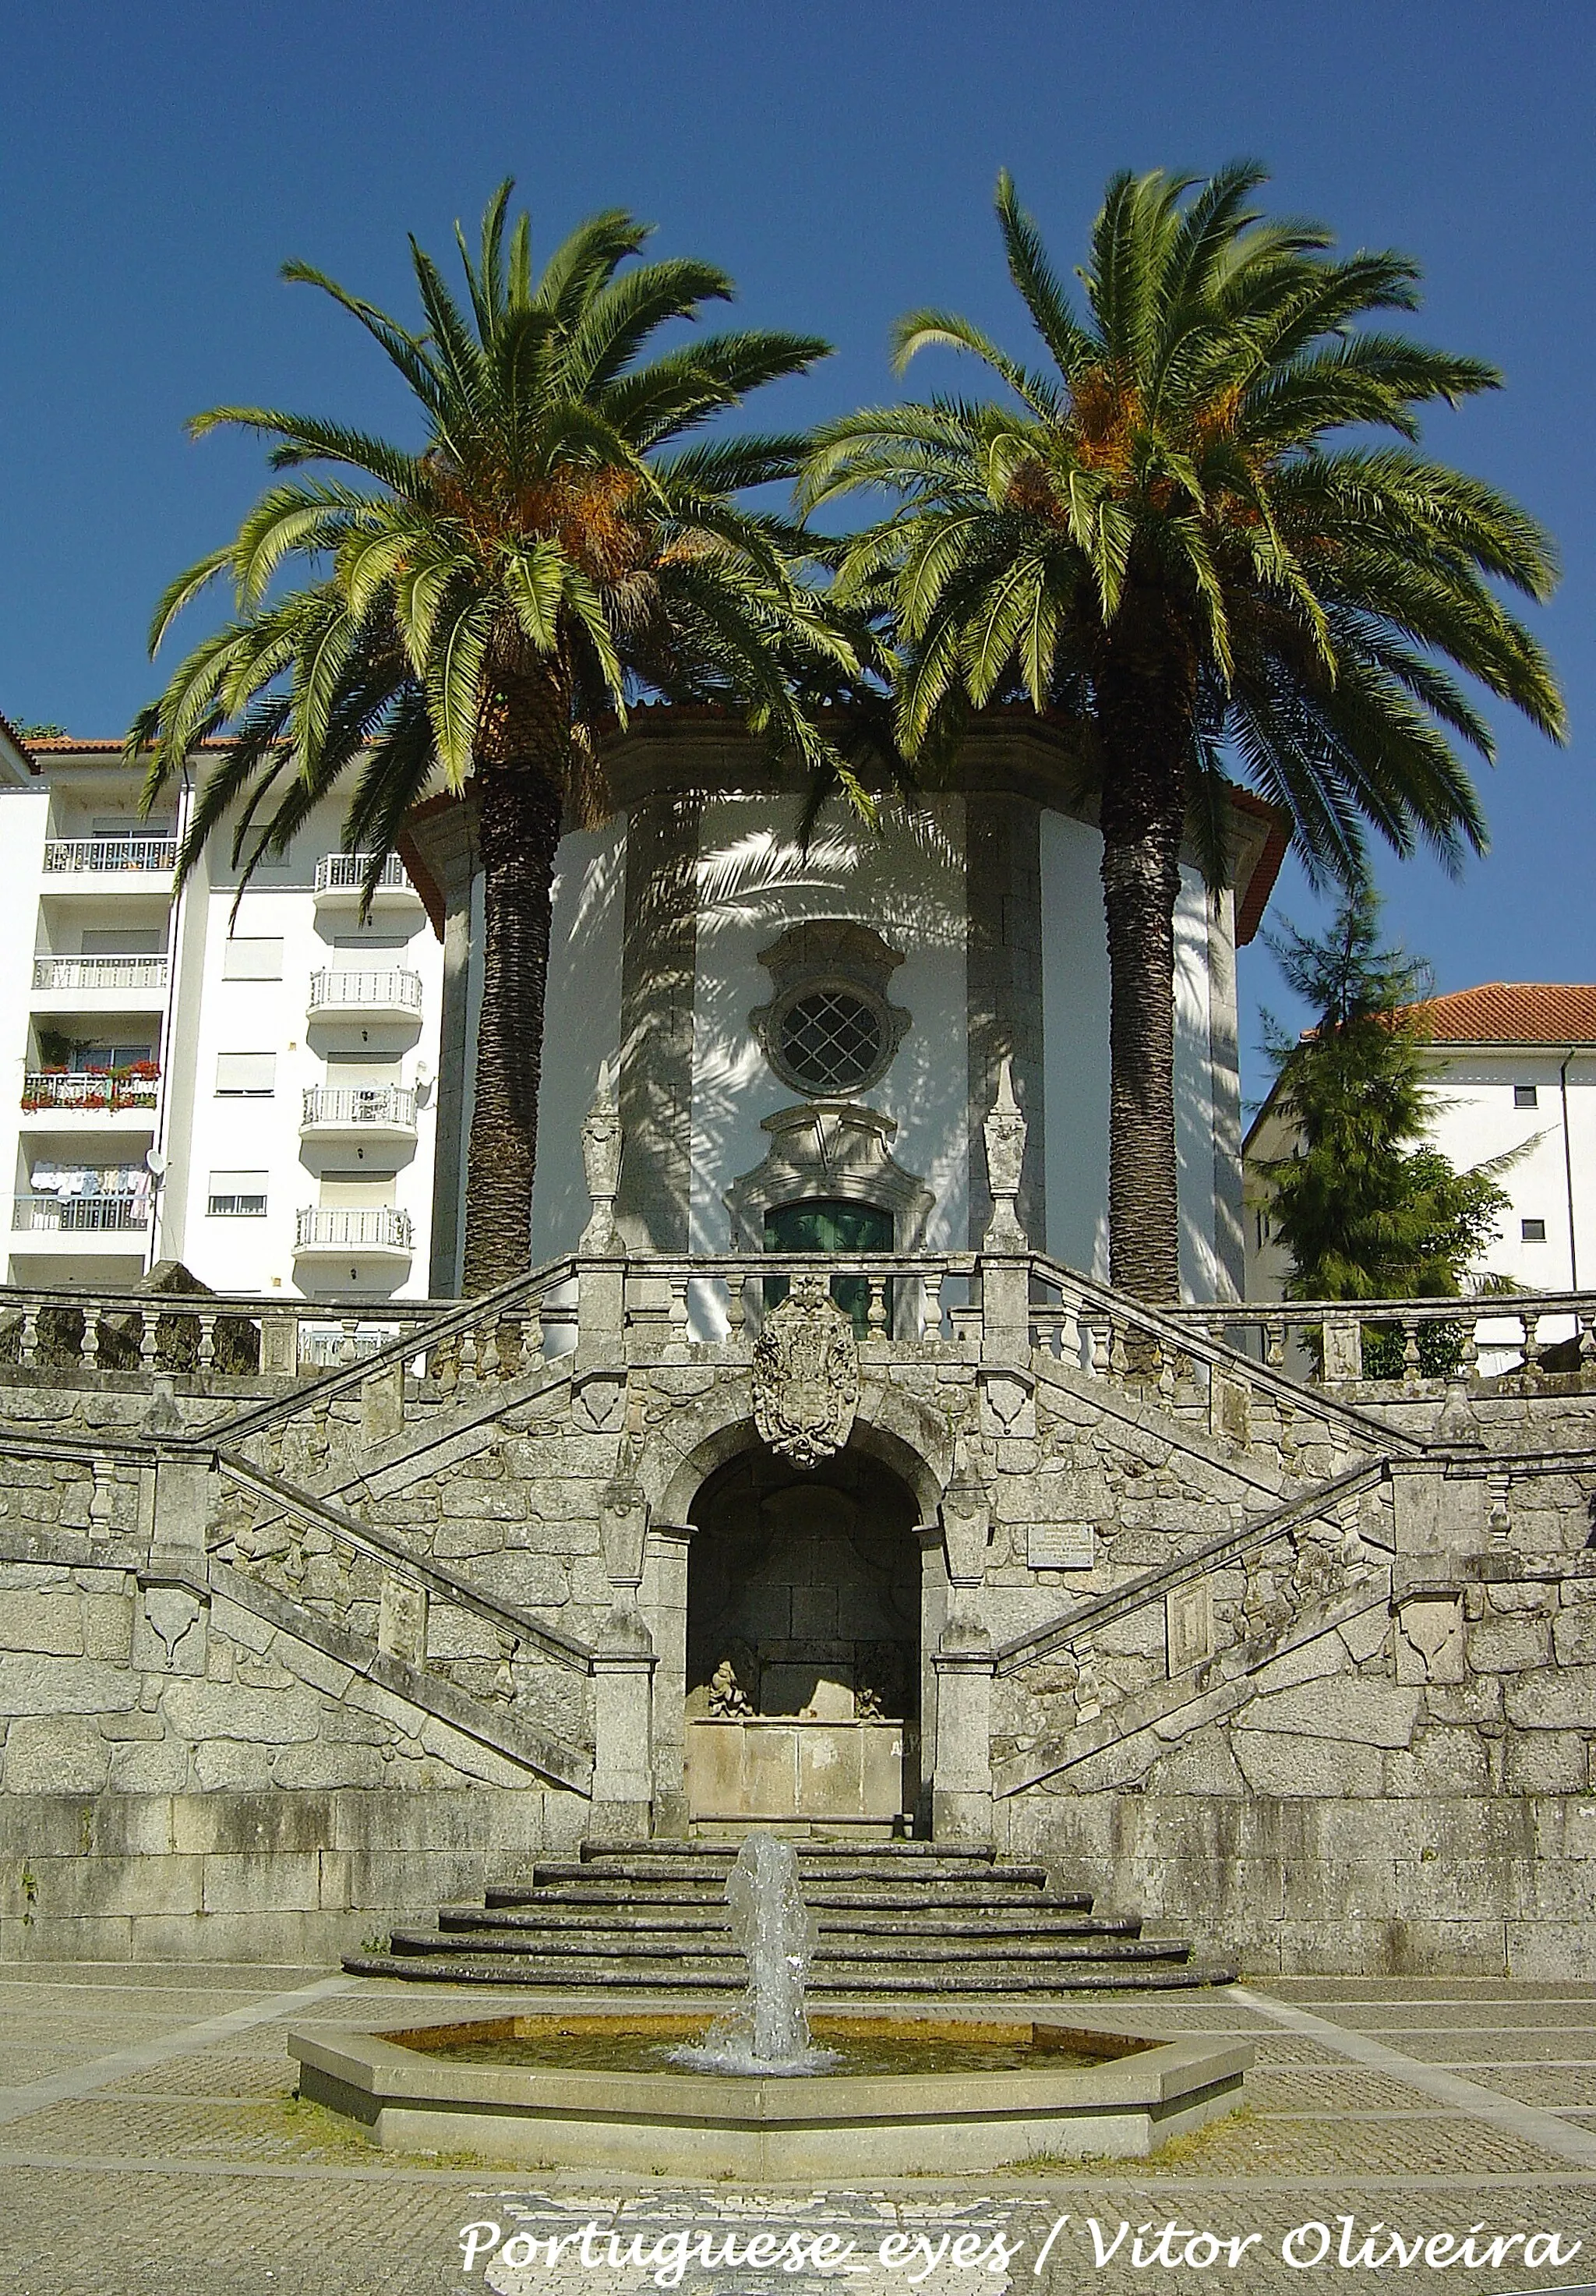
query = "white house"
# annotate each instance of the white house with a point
(247, 1085)
(1513, 1068)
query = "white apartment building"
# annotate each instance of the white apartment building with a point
(245, 1083)
(1513, 1068)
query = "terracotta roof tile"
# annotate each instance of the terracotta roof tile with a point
(1512, 1013)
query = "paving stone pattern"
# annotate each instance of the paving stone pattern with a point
(201, 2175)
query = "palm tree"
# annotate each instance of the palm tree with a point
(479, 608)
(1166, 537)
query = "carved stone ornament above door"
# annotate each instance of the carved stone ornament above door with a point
(828, 1149)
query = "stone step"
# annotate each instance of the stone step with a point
(860, 1866)
(622, 1948)
(899, 1918)
(999, 1894)
(867, 1980)
(898, 1852)
(934, 1921)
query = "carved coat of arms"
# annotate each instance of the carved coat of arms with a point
(806, 1375)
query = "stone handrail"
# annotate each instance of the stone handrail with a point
(1412, 1340)
(666, 1295)
(1046, 1641)
(447, 1586)
(109, 1330)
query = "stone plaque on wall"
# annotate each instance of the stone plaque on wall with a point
(1060, 1545)
(1188, 1626)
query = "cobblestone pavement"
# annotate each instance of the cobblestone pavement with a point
(150, 2142)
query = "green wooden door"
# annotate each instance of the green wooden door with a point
(824, 1223)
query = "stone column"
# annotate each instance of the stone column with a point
(623, 1778)
(1225, 1072)
(664, 1600)
(962, 1779)
(1003, 835)
(623, 1666)
(659, 962)
(170, 1627)
(602, 1268)
(1005, 1262)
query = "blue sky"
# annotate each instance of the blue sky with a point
(159, 163)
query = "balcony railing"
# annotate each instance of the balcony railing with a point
(391, 1106)
(105, 855)
(392, 991)
(345, 872)
(329, 1227)
(107, 1091)
(100, 972)
(81, 1215)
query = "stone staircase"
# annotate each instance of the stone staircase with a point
(897, 1919)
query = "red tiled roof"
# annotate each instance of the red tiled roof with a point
(12, 736)
(1512, 1013)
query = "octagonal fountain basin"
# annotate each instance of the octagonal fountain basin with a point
(888, 2096)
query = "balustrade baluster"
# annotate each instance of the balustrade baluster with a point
(1410, 1351)
(149, 1340)
(1531, 1345)
(466, 1369)
(487, 1357)
(1119, 1353)
(876, 1318)
(930, 1326)
(1099, 1332)
(1587, 1343)
(736, 1305)
(676, 1324)
(1469, 1354)
(1274, 1341)
(89, 1347)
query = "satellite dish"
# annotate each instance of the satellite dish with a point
(154, 1162)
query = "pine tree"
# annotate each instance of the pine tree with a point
(1366, 1207)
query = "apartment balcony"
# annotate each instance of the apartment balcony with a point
(340, 881)
(96, 1223)
(67, 1100)
(375, 1234)
(122, 865)
(393, 997)
(380, 1112)
(100, 984)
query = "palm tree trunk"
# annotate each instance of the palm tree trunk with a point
(518, 822)
(1145, 735)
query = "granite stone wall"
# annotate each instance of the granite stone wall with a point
(1309, 1677)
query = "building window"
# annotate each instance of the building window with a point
(237, 1195)
(245, 1076)
(1526, 1096)
(829, 1029)
(830, 1040)
(252, 960)
(1533, 1231)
